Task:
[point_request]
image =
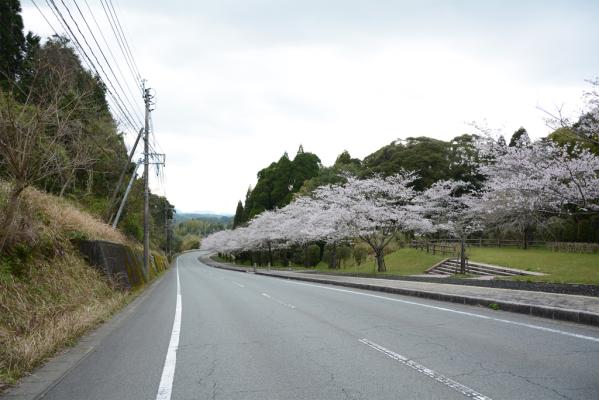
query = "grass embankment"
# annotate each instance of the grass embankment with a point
(404, 261)
(49, 296)
(560, 267)
(401, 262)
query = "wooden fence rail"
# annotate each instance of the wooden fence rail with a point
(452, 246)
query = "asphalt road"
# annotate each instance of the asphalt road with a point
(244, 336)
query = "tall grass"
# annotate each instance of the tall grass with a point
(49, 296)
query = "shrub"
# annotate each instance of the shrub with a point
(360, 254)
(312, 255)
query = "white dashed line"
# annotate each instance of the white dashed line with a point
(238, 284)
(465, 390)
(278, 301)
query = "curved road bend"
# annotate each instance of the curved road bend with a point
(244, 336)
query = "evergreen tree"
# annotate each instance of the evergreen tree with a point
(501, 141)
(279, 181)
(520, 138)
(248, 205)
(238, 219)
(12, 41)
(428, 157)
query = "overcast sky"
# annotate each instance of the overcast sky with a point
(239, 82)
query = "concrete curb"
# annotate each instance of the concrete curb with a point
(210, 262)
(561, 314)
(44, 378)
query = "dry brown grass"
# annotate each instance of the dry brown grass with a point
(49, 296)
(54, 305)
(67, 217)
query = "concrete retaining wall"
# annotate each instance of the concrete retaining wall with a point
(121, 264)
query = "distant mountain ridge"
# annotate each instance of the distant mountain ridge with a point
(204, 216)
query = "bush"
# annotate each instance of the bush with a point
(360, 254)
(343, 254)
(312, 255)
(190, 242)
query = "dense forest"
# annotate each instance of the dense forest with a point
(58, 135)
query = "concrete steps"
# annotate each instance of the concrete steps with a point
(452, 266)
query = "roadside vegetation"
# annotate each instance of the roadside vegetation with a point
(561, 267)
(61, 155)
(49, 295)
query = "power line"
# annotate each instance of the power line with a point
(95, 57)
(112, 24)
(107, 62)
(109, 49)
(64, 24)
(125, 39)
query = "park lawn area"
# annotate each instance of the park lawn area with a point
(559, 266)
(405, 261)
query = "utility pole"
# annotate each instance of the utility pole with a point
(167, 227)
(147, 102)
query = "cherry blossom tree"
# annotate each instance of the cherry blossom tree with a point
(373, 210)
(376, 209)
(524, 185)
(451, 207)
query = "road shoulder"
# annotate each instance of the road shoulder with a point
(45, 377)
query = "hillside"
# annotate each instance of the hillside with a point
(48, 293)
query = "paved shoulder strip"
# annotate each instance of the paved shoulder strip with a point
(465, 390)
(165, 388)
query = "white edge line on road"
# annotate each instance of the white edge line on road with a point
(465, 390)
(505, 321)
(278, 301)
(168, 373)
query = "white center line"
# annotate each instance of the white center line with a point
(168, 373)
(505, 321)
(465, 390)
(278, 301)
(238, 284)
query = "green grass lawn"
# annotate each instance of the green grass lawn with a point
(401, 262)
(559, 267)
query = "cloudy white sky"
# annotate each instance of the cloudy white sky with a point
(238, 82)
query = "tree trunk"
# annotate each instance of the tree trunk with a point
(285, 260)
(333, 262)
(11, 209)
(525, 239)
(66, 184)
(463, 255)
(90, 181)
(380, 261)
(270, 264)
(306, 261)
